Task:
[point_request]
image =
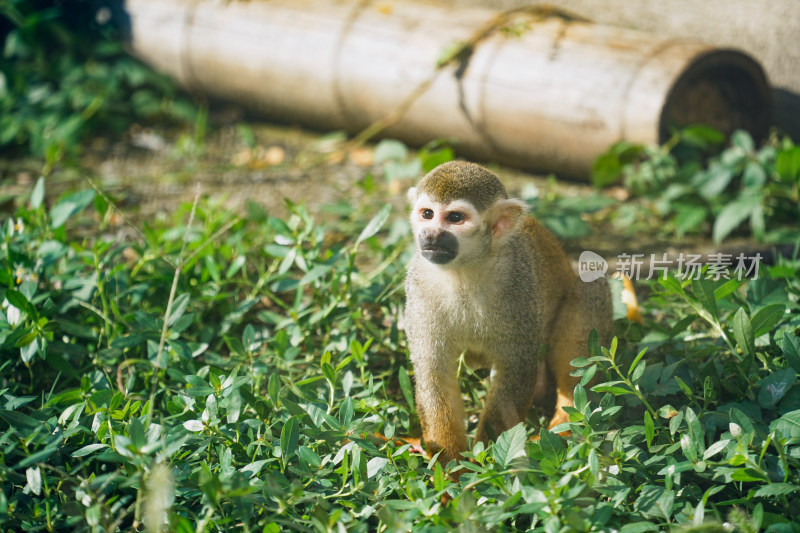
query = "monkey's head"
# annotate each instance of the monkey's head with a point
(459, 211)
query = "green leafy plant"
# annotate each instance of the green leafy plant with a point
(564, 215)
(693, 186)
(219, 370)
(65, 75)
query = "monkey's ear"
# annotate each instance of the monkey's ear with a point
(412, 195)
(504, 215)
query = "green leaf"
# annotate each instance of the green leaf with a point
(316, 272)
(775, 386)
(733, 214)
(754, 176)
(748, 474)
(510, 444)
(318, 416)
(136, 433)
(37, 196)
(90, 448)
(405, 386)
(743, 332)
(328, 372)
(790, 345)
(235, 266)
(390, 150)
(551, 444)
(290, 436)
(738, 417)
(687, 390)
(635, 363)
(346, 412)
(375, 465)
(776, 489)
(309, 457)
(713, 181)
(766, 318)
(212, 409)
(689, 217)
(704, 292)
(743, 140)
(702, 136)
(195, 426)
(594, 462)
(638, 527)
(69, 206)
(18, 300)
(787, 165)
(274, 387)
(637, 373)
(199, 387)
(34, 477)
(727, 288)
(579, 398)
(616, 391)
(689, 448)
(607, 168)
(179, 306)
(649, 428)
(374, 225)
(20, 420)
(655, 501)
(672, 285)
(695, 430)
(716, 448)
(433, 158)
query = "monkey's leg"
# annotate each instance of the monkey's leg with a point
(510, 394)
(587, 307)
(441, 408)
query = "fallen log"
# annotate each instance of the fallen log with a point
(542, 90)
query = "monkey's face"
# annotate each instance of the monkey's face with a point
(446, 233)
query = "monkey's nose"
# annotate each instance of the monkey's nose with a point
(438, 246)
(430, 234)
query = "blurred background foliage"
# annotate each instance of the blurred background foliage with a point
(65, 76)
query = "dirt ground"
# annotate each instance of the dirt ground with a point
(151, 172)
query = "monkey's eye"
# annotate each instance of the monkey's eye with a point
(455, 217)
(427, 214)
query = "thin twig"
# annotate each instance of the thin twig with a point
(173, 289)
(459, 54)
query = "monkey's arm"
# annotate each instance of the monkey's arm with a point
(440, 405)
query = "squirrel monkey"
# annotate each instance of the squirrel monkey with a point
(492, 283)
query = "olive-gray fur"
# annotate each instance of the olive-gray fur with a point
(459, 180)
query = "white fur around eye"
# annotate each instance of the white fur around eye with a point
(462, 207)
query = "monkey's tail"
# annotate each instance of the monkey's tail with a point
(628, 297)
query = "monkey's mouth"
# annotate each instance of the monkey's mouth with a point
(438, 255)
(439, 248)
